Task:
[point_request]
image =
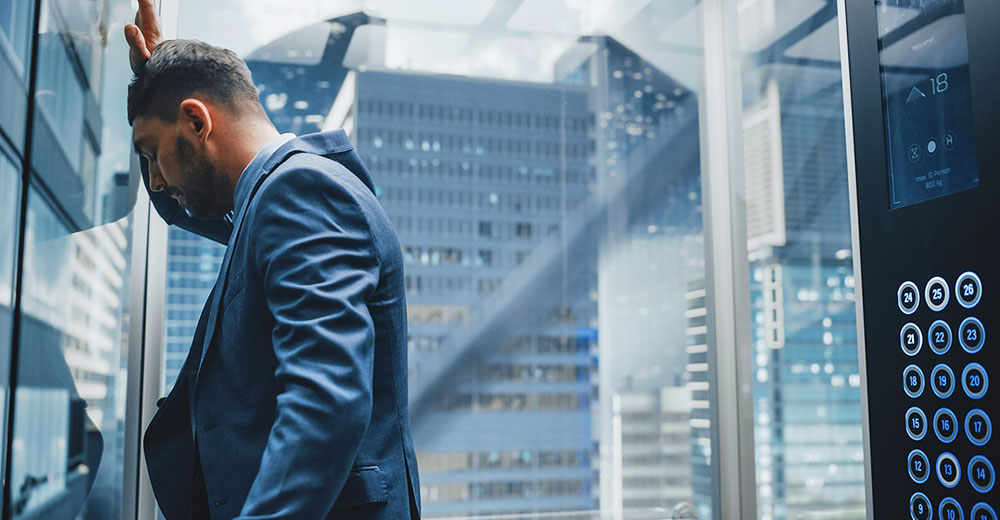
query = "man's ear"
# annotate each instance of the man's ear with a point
(195, 118)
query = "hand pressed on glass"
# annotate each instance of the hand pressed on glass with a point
(144, 35)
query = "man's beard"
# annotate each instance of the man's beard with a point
(206, 190)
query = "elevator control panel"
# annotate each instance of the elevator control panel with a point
(922, 99)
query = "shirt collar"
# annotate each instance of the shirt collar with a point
(250, 173)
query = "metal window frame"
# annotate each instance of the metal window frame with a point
(727, 266)
(852, 183)
(147, 304)
(145, 357)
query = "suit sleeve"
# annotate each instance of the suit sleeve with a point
(314, 250)
(216, 229)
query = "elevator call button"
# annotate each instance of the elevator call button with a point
(968, 289)
(913, 381)
(919, 466)
(949, 509)
(978, 427)
(975, 382)
(943, 381)
(983, 511)
(981, 474)
(916, 423)
(920, 507)
(908, 297)
(936, 293)
(972, 335)
(948, 470)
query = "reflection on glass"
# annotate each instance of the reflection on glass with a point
(545, 185)
(71, 129)
(10, 190)
(15, 45)
(15, 34)
(68, 420)
(192, 267)
(809, 454)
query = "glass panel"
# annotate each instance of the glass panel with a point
(70, 127)
(545, 185)
(15, 34)
(10, 194)
(15, 47)
(69, 404)
(192, 267)
(809, 453)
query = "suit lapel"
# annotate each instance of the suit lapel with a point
(319, 144)
(281, 154)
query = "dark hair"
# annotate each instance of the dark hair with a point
(178, 69)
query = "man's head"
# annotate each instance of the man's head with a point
(188, 107)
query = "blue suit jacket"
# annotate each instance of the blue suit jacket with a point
(297, 397)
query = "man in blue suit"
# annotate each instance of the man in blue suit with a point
(293, 401)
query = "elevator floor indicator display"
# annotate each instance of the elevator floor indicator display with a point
(927, 100)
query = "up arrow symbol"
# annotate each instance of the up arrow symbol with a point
(915, 95)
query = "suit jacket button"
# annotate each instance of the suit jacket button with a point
(208, 427)
(160, 401)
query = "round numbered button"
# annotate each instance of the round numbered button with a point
(919, 466)
(949, 509)
(975, 382)
(913, 381)
(971, 335)
(943, 381)
(916, 423)
(978, 427)
(908, 297)
(983, 511)
(936, 293)
(981, 474)
(920, 507)
(968, 289)
(948, 470)
(939, 337)
(945, 425)
(911, 339)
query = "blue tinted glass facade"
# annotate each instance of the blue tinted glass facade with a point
(192, 268)
(476, 175)
(809, 451)
(63, 453)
